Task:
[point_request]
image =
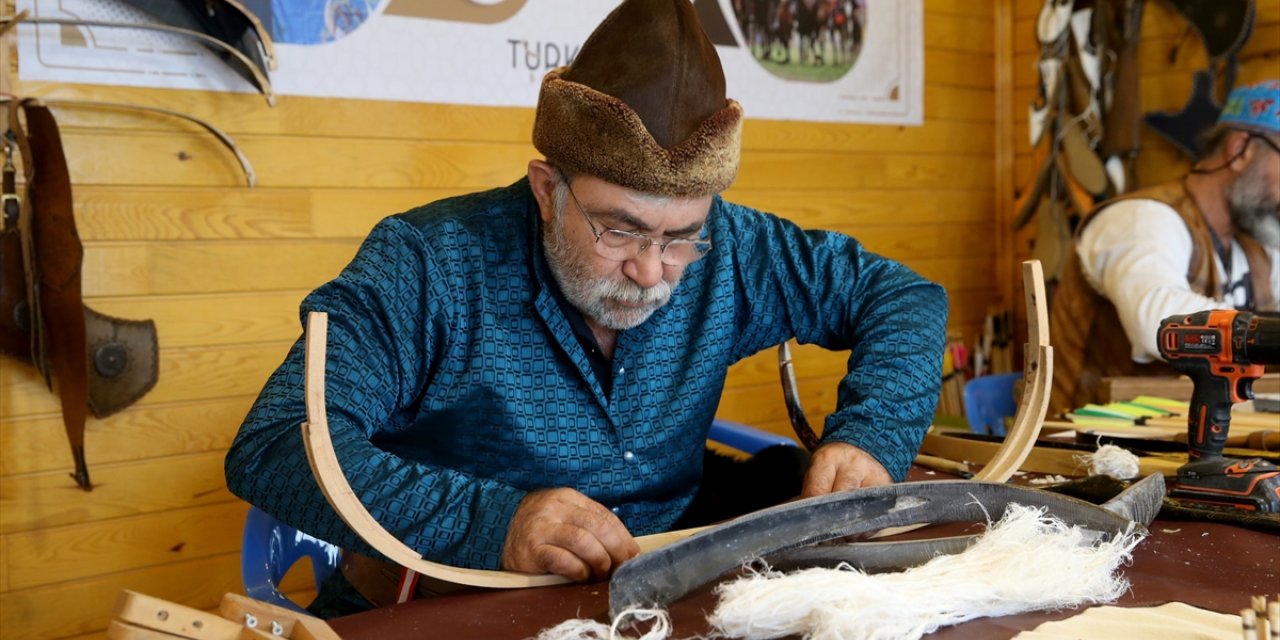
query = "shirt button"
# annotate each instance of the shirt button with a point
(616, 510)
(628, 456)
(622, 370)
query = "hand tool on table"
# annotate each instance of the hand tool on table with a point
(661, 576)
(1223, 352)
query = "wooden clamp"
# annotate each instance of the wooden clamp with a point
(143, 617)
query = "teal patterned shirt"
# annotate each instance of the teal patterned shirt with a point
(456, 385)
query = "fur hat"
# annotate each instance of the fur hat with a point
(643, 105)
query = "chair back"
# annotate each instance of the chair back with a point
(270, 548)
(988, 400)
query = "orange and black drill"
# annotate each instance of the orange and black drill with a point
(1222, 352)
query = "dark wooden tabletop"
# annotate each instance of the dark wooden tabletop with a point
(1210, 565)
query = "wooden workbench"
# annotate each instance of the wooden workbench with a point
(1214, 566)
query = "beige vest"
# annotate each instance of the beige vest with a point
(1088, 341)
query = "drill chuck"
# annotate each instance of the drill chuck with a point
(1260, 338)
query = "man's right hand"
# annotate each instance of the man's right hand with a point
(563, 532)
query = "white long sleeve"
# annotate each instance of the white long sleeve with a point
(1136, 253)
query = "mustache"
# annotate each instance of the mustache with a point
(631, 293)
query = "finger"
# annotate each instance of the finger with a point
(609, 531)
(549, 558)
(583, 544)
(848, 476)
(817, 482)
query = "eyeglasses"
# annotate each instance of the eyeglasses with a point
(1269, 141)
(622, 246)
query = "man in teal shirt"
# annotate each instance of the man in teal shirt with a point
(524, 378)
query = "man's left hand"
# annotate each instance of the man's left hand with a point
(838, 466)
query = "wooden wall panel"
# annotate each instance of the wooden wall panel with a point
(171, 233)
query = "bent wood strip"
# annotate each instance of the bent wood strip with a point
(1034, 405)
(333, 483)
(264, 36)
(264, 85)
(222, 137)
(1037, 376)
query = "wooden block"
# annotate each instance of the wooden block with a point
(168, 617)
(264, 617)
(124, 631)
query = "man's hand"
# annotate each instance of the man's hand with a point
(837, 466)
(563, 532)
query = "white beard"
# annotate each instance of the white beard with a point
(597, 298)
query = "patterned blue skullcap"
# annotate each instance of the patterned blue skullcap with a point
(1254, 107)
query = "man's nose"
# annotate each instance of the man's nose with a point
(646, 268)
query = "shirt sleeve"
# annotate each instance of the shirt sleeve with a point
(1136, 253)
(824, 288)
(387, 317)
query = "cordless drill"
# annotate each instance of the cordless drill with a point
(1222, 352)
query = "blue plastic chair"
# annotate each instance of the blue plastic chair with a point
(988, 400)
(270, 548)
(748, 440)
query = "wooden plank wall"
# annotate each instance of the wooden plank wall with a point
(171, 233)
(1168, 55)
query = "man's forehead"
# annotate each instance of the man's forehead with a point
(642, 211)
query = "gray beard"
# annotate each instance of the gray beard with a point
(572, 272)
(1263, 228)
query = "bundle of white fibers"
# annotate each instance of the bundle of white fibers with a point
(1110, 460)
(585, 629)
(1026, 562)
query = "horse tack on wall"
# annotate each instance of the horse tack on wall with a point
(102, 364)
(225, 27)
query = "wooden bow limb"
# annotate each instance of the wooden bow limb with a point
(259, 78)
(1034, 405)
(251, 178)
(1037, 375)
(791, 397)
(337, 490)
(264, 36)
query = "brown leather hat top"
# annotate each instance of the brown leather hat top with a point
(654, 56)
(643, 105)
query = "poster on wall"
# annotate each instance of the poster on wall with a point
(819, 60)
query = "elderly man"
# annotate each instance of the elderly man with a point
(1210, 240)
(524, 378)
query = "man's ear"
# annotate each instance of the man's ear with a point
(542, 180)
(1238, 150)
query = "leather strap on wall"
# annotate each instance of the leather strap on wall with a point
(58, 252)
(100, 363)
